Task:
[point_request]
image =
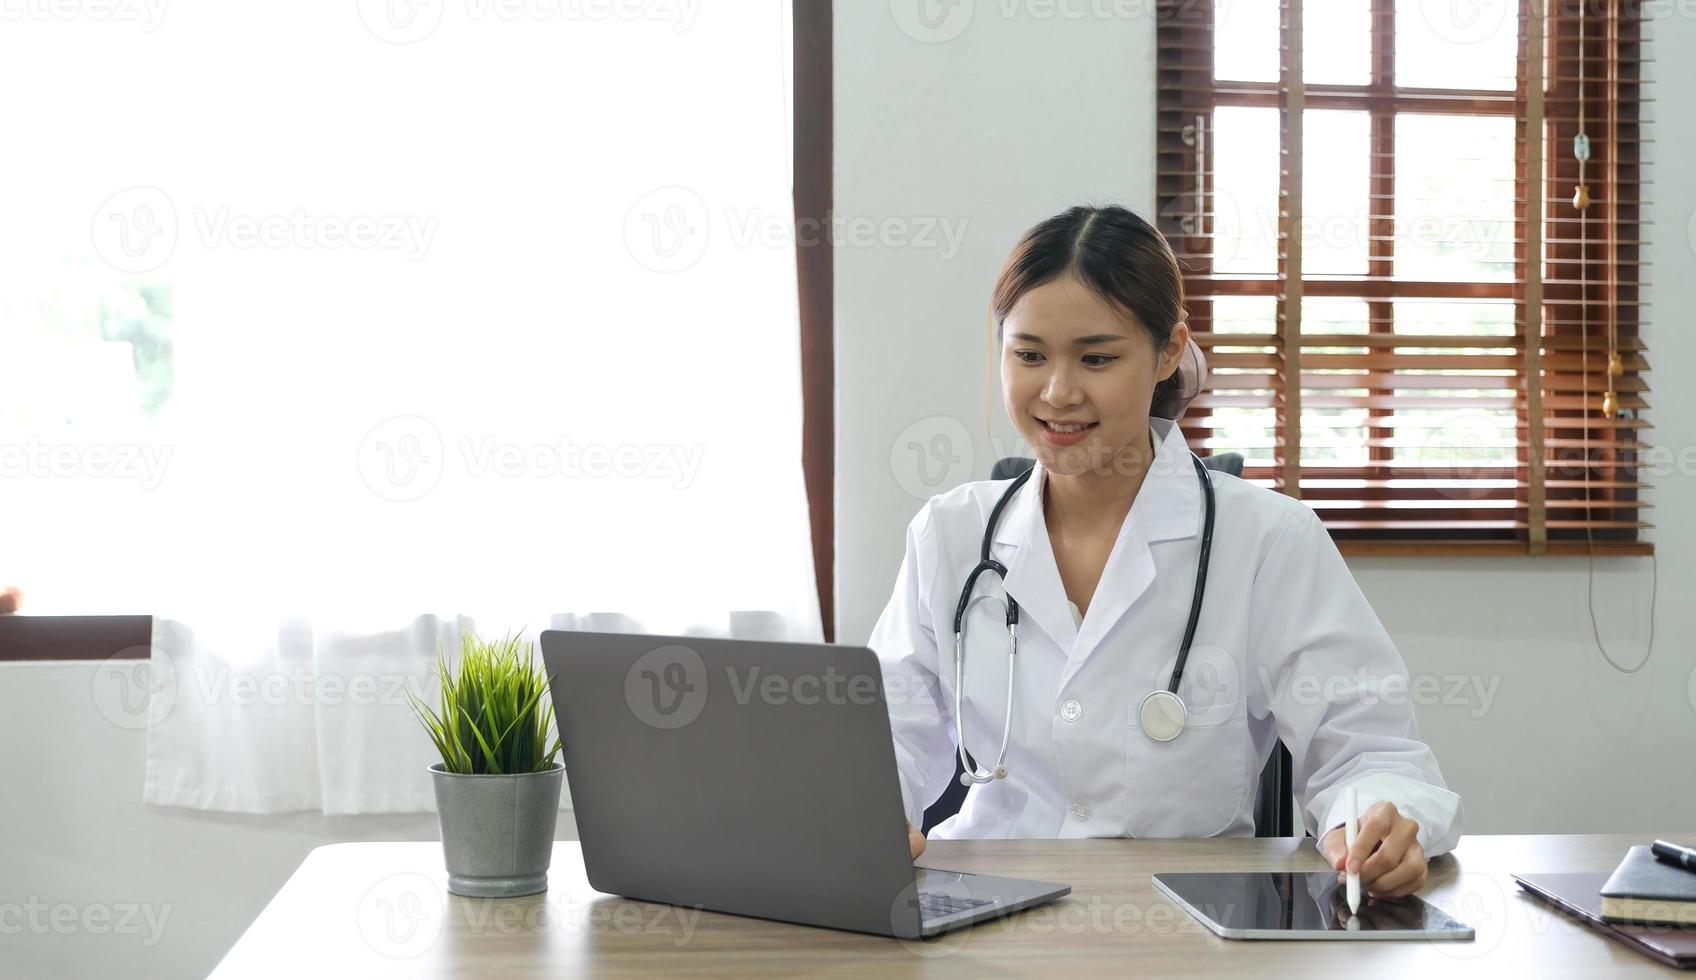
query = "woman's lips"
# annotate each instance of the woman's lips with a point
(1054, 438)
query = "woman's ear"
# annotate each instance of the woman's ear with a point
(1173, 353)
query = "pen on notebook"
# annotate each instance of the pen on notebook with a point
(1672, 853)
(1351, 830)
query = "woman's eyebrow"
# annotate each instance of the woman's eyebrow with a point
(1090, 341)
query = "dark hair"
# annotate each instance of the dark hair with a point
(1116, 255)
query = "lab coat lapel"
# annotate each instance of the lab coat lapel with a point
(1033, 578)
(1167, 508)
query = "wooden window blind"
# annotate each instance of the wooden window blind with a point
(1414, 319)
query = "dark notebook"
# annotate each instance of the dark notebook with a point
(1646, 889)
(1580, 895)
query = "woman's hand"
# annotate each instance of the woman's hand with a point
(915, 841)
(1386, 852)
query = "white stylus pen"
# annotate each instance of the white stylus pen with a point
(1351, 830)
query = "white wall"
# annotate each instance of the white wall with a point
(1017, 118)
(73, 832)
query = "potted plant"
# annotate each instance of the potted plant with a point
(497, 786)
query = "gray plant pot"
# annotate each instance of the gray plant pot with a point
(497, 831)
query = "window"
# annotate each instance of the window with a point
(322, 361)
(1351, 190)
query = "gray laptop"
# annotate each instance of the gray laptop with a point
(754, 778)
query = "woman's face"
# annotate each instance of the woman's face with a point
(1069, 359)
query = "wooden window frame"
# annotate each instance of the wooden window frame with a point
(1552, 417)
(816, 283)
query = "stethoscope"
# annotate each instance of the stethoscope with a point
(1162, 712)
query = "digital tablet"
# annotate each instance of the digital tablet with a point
(1301, 905)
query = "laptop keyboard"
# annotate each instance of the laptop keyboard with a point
(935, 905)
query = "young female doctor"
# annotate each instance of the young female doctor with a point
(1075, 726)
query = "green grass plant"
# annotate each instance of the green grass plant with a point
(493, 718)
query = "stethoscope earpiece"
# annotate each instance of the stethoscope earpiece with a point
(1161, 714)
(972, 778)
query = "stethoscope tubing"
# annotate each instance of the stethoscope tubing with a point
(970, 775)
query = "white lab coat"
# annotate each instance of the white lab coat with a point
(1287, 647)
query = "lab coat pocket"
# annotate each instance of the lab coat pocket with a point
(1194, 785)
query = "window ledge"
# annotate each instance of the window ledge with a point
(26, 637)
(1446, 549)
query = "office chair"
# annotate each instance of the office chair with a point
(1274, 800)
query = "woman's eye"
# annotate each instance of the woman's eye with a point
(1028, 356)
(1099, 360)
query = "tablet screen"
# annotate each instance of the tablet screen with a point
(1301, 905)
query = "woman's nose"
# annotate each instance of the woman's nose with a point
(1062, 388)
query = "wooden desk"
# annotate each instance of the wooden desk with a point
(371, 910)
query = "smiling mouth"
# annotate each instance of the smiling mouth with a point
(1067, 428)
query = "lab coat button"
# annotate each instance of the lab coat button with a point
(1080, 811)
(1071, 710)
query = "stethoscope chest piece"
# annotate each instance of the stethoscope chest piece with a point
(1162, 716)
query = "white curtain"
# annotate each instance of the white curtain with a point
(478, 314)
